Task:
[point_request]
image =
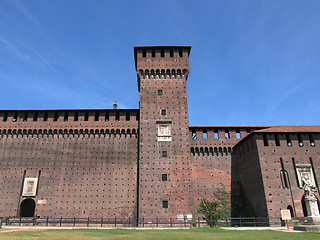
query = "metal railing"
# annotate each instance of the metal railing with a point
(134, 222)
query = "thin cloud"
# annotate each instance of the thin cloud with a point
(14, 50)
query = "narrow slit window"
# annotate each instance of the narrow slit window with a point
(300, 140)
(162, 53)
(117, 116)
(25, 117)
(35, 116)
(194, 134)
(96, 116)
(45, 118)
(171, 52)
(265, 140)
(127, 116)
(284, 175)
(144, 53)
(180, 53)
(15, 117)
(289, 143)
(86, 116)
(5, 117)
(106, 117)
(76, 116)
(66, 116)
(153, 53)
(276, 138)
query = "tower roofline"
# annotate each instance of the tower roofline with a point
(158, 47)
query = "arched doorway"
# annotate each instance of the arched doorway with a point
(27, 208)
(289, 207)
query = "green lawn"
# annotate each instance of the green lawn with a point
(195, 233)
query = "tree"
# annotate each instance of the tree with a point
(219, 208)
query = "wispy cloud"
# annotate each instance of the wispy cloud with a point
(17, 53)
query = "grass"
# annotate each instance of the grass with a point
(195, 233)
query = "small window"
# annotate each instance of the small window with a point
(171, 52)
(15, 117)
(248, 131)
(226, 134)
(5, 117)
(144, 53)
(276, 138)
(164, 154)
(65, 116)
(162, 53)
(194, 134)
(127, 116)
(205, 134)
(265, 140)
(164, 177)
(86, 116)
(238, 135)
(106, 118)
(117, 116)
(159, 92)
(163, 112)
(180, 53)
(216, 134)
(35, 116)
(55, 118)
(165, 204)
(289, 143)
(76, 116)
(45, 118)
(96, 116)
(153, 53)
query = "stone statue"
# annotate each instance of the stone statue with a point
(308, 188)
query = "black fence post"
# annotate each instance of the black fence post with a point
(157, 221)
(101, 221)
(33, 221)
(7, 220)
(143, 222)
(184, 221)
(74, 221)
(199, 222)
(240, 221)
(254, 220)
(129, 222)
(115, 221)
(88, 221)
(171, 222)
(47, 221)
(60, 221)
(20, 221)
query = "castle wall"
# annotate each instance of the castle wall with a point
(84, 168)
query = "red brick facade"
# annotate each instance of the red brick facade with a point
(146, 162)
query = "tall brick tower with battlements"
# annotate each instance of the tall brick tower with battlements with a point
(164, 157)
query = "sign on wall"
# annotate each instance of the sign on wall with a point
(30, 187)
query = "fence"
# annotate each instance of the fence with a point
(134, 222)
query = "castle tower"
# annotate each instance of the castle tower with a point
(164, 161)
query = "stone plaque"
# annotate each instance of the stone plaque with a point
(30, 187)
(164, 132)
(41, 202)
(304, 171)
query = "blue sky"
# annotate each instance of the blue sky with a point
(251, 63)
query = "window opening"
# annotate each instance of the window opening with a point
(226, 134)
(117, 116)
(127, 116)
(15, 117)
(153, 53)
(205, 134)
(171, 52)
(265, 140)
(165, 204)
(76, 116)
(284, 175)
(276, 138)
(163, 112)
(159, 92)
(194, 134)
(45, 118)
(162, 53)
(180, 53)
(300, 140)
(248, 131)
(216, 134)
(86, 116)
(5, 117)
(238, 135)
(66, 116)
(164, 154)
(55, 118)
(25, 117)
(164, 177)
(144, 53)
(312, 143)
(289, 143)
(106, 118)
(96, 116)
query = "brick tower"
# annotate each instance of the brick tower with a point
(164, 161)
